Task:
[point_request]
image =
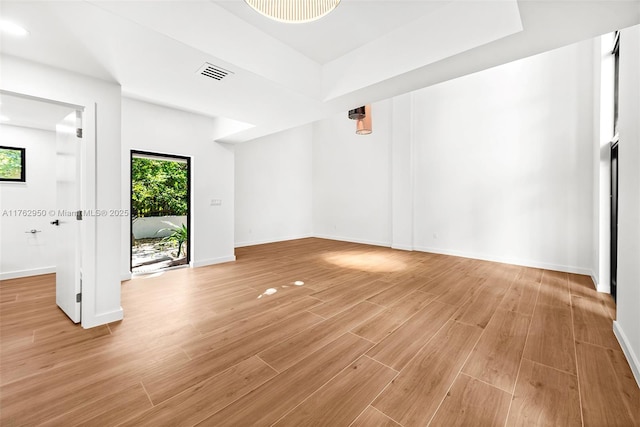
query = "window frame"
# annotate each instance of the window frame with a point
(23, 165)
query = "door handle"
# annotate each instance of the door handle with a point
(56, 222)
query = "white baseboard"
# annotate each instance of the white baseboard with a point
(26, 273)
(508, 260)
(600, 287)
(632, 358)
(126, 276)
(463, 254)
(102, 318)
(265, 241)
(353, 240)
(213, 261)
(402, 247)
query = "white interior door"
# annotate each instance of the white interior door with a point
(68, 257)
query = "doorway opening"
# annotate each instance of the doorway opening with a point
(614, 168)
(160, 211)
(41, 193)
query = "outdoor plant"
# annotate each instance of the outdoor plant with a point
(178, 235)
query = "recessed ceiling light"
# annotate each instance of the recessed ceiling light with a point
(13, 29)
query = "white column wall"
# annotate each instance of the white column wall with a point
(402, 173)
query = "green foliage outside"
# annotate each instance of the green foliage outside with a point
(10, 163)
(178, 234)
(159, 187)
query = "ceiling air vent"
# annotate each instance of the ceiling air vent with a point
(213, 71)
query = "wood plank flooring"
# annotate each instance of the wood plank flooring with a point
(372, 337)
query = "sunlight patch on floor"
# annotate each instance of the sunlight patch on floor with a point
(268, 292)
(365, 261)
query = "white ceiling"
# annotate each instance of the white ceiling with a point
(352, 24)
(287, 75)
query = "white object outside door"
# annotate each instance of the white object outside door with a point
(68, 216)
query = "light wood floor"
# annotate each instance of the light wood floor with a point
(374, 337)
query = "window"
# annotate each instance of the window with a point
(12, 164)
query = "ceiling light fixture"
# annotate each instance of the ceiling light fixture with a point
(293, 11)
(362, 115)
(12, 29)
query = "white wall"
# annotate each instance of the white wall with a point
(101, 179)
(25, 254)
(627, 325)
(496, 165)
(273, 186)
(351, 178)
(503, 162)
(150, 127)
